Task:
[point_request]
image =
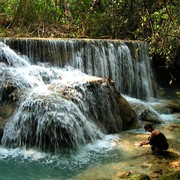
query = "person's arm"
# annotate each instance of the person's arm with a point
(144, 143)
(153, 134)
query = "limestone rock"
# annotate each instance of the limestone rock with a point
(150, 116)
(142, 177)
(167, 107)
(123, 175)
(65, 116)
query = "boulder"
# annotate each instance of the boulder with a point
(167, 107)
(65, 116)
(144, 112)
(149, 116)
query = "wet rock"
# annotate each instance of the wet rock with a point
(68, 116)
(144, 112)
(97, 94)
(154, 175)
(12, 85)
(140, 163)
(144, 166)
(1, 134)
(142, 177)
(6, 111)
(150, 116)
(123, 175)
(127, 113)
(10, 58)
(156, 169)
(172, 176)
(167, 107)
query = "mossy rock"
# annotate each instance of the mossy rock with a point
(141, 177)
(172, 176)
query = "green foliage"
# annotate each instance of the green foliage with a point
(155, 21)
(160, 26)
(24, 12)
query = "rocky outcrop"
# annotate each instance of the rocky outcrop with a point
(139, 163)
(128, 113)
(63, 115)
(150, 116)
(167, 107)
(125, 62)
(57, 110)
(144, 112)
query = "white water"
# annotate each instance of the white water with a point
(32, 164)
(40, 105)
(126, 63)
(59, 110)
(8, 56)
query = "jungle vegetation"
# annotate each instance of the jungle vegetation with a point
(154, 21)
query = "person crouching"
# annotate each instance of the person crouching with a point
(157, 140)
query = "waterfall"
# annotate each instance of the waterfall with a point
(49, 122)
(57, 110)
(126, 63)
(8, 56)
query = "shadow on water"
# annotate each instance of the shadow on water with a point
(168, 155)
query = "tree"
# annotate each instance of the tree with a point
(160, 27)
(155, 21)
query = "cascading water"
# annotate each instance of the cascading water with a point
(63, 110)
(57, 110)
(126, 63)
(9, 57)
(50, 123)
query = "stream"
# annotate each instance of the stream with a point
(30, 164)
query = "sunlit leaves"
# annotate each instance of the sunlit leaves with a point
(155, 21)
(160, 26)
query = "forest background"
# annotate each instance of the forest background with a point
(154, 21)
